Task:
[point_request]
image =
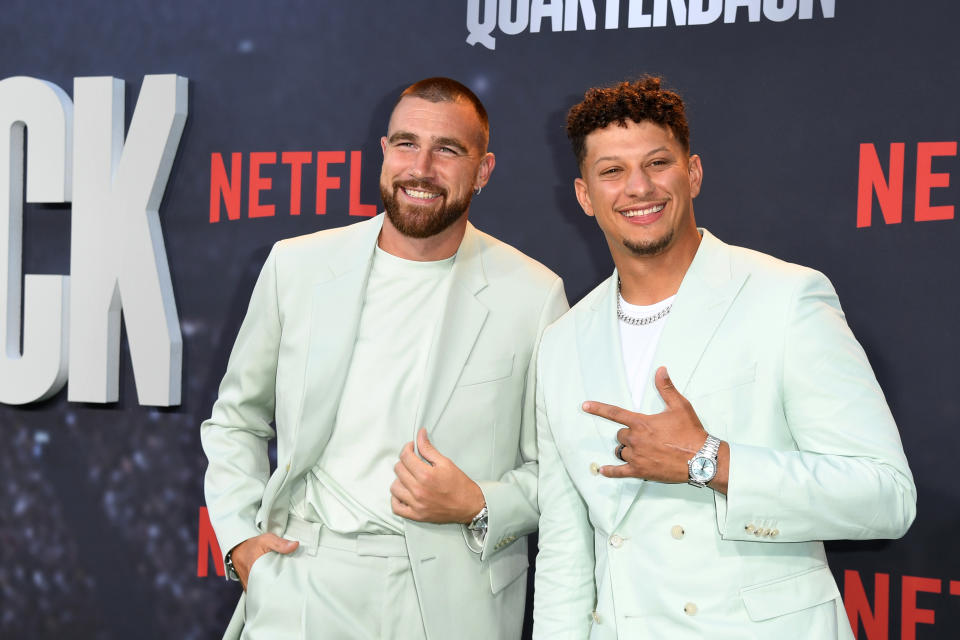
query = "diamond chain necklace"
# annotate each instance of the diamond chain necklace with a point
(639, 322)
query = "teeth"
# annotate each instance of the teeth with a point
(422, 195)
(633, 213)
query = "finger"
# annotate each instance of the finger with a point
(624, 436)
(620, 452)
(401, 509)
(404, 476)
(402, 493)
(608, 411)
(616, 471)
(427, 451)
(411, 460)
(671, 397)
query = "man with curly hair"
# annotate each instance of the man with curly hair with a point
(705, 417)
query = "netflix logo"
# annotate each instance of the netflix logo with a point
(869, 601)
(882, 182)
(320, 174)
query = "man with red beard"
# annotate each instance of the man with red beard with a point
(393, 360)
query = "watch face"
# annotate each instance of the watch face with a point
(702, 469)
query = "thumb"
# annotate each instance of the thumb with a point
(427, 451)
(671, 397)
(280, 545)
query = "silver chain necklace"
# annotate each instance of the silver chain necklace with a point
(639, 322)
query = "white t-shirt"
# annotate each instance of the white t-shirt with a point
(349, 488)
(639, 343)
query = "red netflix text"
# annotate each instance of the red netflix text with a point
(872, 616)
(881, 181)
(253, 174)
(208, 547)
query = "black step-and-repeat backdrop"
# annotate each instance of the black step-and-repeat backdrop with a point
(828, 131)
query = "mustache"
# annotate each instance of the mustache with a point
(419, 185)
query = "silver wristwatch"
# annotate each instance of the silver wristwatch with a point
(479, 522)
(229, 568)
(702, 467)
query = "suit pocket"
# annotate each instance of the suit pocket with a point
(792, 593)
(508, 565)
(486, 371)
(723, 382)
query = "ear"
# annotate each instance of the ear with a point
(583, 196)
(695, 172)
(486, 168)
(383, 144)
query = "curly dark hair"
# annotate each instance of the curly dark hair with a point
(640, 100)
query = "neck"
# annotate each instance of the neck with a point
(646, 280)
(436, 247)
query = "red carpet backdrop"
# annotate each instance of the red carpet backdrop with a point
(153, 152)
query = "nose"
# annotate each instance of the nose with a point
(422, 164)
(638, 184)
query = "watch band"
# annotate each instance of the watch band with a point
(479, 521)
(710, 448)
(231, 571)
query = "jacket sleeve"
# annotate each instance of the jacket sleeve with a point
(235, 436)
(512, 500)
(565, 591)
(848, 477)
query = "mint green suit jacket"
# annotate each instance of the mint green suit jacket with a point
(763, 352)
(284, 379)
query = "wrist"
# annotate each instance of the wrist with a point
(474, 504)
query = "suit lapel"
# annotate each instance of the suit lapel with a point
(604, 377)
(706, 293)
(454, 338)
(335, 308)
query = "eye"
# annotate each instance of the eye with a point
(609, 172)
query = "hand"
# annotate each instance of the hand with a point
(656, 447)
(248, 551)
(433, 489)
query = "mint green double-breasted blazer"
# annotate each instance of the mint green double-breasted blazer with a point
(763, 352)
(284, 378)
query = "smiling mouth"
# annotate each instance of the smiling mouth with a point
(648, 211)
(419, 194)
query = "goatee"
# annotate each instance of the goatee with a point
(421, 221)
(652, 248)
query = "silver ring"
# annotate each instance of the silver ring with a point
(619, 452)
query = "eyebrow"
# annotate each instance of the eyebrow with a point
(450, 142)
(647, 155)
(440, 142)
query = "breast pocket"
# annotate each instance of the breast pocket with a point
(726, 381)
(486, 370)
(724, 399)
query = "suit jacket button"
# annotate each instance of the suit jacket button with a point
(690, 609)
(594, 468)
(616, 541)
(749, 528)
(677, 532)
(596, 617)
(774, 533)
